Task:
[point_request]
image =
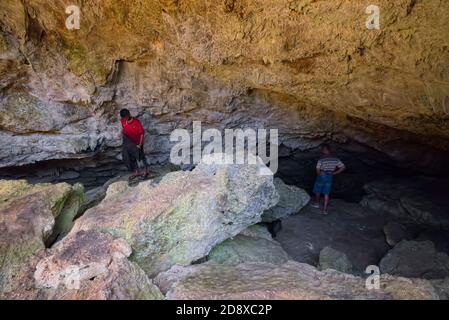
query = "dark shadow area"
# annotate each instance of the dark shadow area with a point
(363, 165)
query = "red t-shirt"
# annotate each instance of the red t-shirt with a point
(132, 130)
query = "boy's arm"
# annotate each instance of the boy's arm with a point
(340, 168)
(318, 168)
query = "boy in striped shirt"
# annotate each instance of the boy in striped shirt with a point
(326, 168)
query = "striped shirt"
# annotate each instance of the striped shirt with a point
(328, 164)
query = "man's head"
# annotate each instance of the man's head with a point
(125, 114)
(325, 149)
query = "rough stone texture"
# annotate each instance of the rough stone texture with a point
(257, 231)
(247, 247)
(91, 265)
(292, 281)
(421, 200)
(309, 68)
(394, 233)
(416, 259)
(334, 259)
(27, 221)
(440, 238)
(349, 228)
(292, 200)
(181, 218)
(442, 288)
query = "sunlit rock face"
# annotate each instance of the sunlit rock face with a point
(308, 68)
(30, 215)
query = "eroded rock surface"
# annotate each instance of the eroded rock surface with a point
(394, 233)
(334, 259)
(420, 200)
(249, 246)
(309, 68)
(292, 199)
(91, 265)
(292, 281)
(181, 218)
(27, 221)
(416, 259)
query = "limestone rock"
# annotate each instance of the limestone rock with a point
(96, 195)
(91, 265)
(292, 200)
(171, 61)
(417, 259)
(248, 248)
(442, 287)
(291, 281)
(257, 231)
(421, 200)
(334, 259)
(27, 221)
(181, 218)
(349, 228)
(394, 233)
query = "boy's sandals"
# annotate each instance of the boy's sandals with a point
(324, 213)
(315, 205)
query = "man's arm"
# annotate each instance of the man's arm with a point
(142, 135)
(340, 169)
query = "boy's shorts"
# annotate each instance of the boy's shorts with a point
(323, 184)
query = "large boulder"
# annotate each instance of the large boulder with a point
(91, 265)
(257, 231)
(249, 247)
(394, 233)
(292, 199)
(181, 218)
(334, 259)
(442, 287)
(416, 259)
(30, 216)
(292, 281)
(349, 228)
(421, 200)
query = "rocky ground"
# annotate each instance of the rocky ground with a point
(387, 229)
(203, 234)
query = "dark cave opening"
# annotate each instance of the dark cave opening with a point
(363, 165)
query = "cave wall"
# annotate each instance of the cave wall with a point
(309, 68)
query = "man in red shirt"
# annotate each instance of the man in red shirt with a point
(132, 149)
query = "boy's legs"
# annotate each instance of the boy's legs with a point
(317, 188)
(326, 202)
(316, 204)
(327, 191)
(143, 160)
(130, 156)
